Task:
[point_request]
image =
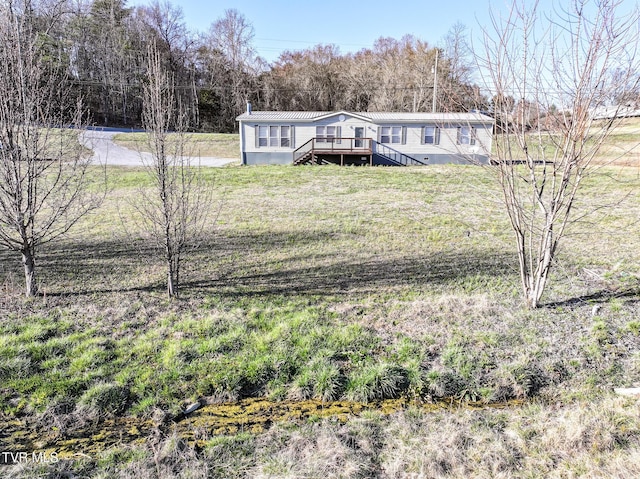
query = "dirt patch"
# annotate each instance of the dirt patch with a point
(251, 415)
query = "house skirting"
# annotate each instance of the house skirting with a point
(285, 158)
(268, 158)
(452, 159)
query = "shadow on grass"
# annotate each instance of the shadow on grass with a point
(597, 297)
(113, 267)
(362, 276)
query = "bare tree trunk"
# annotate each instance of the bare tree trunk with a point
(29, 264)
(172, 290)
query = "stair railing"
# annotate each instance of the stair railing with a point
(303, 150)
(396, 156)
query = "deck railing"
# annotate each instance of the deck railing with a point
(352, 146)
(342, 145)
(334, 146)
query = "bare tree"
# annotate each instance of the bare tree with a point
(105, 59)
(358, 81)
(230, 64)
(308, 79)
(456, 90)
(174, 212)
(405, 74)
(44, 173)
(162, 24)
(166, 22)
(458, 53)
(562, 65)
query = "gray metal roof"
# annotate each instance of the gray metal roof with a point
(281, 115)
(375, 117)
(615, 111)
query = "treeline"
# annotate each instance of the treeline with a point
(103, 44)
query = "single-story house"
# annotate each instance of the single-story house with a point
(372, 138)
(629, 110)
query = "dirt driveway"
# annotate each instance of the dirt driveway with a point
(106, 151)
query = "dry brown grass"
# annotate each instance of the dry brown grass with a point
(594, 439)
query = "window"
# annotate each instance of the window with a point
(272, 135)
(328, 134)
(431, 135)
(263, 134)
(466, 135)
(391, 134)
(285, 139)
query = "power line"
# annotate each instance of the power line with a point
(211, 87)
(227, 88)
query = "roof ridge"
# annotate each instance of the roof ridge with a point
(370, 116)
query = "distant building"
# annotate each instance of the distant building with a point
(298, 137)
(619, 111)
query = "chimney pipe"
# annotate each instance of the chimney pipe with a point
(248, 108)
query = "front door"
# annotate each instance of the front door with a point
(359, 133)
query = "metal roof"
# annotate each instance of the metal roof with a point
(615, 111)
(375, 117)
(281, 115)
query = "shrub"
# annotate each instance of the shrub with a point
(105, 399)
(329, 383)
(377, 381)
(445, 384)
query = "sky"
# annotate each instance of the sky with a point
(281, 25)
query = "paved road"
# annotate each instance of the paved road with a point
(106, 151)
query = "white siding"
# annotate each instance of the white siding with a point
(347, 128)
(448, 141)
(250, 132)
(304, 130)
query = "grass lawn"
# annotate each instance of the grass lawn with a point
(217, 145)
(336, 284)
(620, 149)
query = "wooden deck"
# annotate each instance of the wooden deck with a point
(335, 150)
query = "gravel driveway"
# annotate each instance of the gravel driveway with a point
(106, 151)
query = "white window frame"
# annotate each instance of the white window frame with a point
(466, 135)
(262, 136)
(328, 134)
(285, 139)
(392, 135)
(274, 136)
(435, 137)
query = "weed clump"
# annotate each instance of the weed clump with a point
(329, 383)
(528, 380)
(377, 381)
(445, 384)
(105, 399)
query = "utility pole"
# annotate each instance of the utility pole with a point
(435, 81)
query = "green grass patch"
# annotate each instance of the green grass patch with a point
(323, 283)
(219, 145)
